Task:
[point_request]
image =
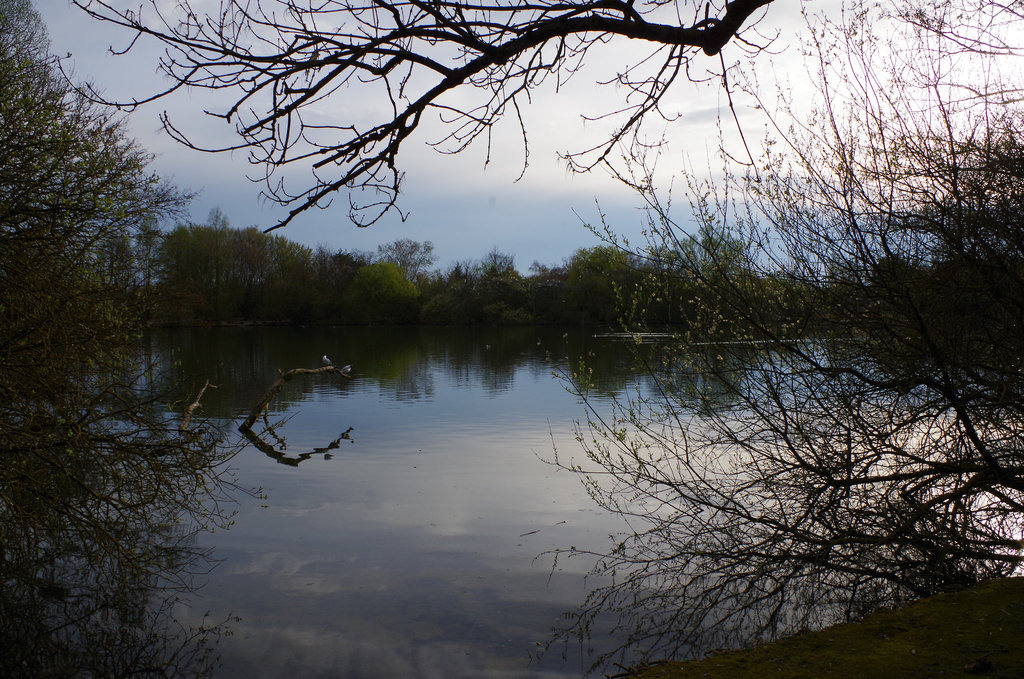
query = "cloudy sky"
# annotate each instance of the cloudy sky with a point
(464, 206)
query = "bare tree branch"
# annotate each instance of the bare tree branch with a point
(289, 62)
(279, 384)
(855, 438)
(186, 418)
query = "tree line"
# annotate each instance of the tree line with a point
(214, 273)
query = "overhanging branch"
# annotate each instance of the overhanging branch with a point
(411, 54)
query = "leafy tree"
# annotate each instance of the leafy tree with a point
(216, 272)
(195, 269)
(380, 293)
(501, 292)
(26, 34)
(876, 455)
(146, 243)
(597, 277)
(250, 267)
(332, 274)
(100, 492)
(423, 56)
(498, 264)
(452, 296)
(547, 291)
(289, 293)
(73, 192)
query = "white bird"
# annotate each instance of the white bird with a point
(325, 360)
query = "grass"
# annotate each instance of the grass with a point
(975, 633)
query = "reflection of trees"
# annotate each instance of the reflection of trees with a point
(275, 451)
(72, 607)
(801, 501)
(406, 362)
(97, 543)
(101, 495)
(881, 457)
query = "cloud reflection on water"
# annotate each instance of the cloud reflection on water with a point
(418, 548)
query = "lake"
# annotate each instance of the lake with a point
(406, 522)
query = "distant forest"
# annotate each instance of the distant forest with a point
(214, 273)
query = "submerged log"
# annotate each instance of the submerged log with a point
(260, 407)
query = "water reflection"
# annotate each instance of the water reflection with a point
(420, 546)
(277, 449)
(402, 363)
(99, 547)
(786, 488)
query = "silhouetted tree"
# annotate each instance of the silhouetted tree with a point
(792, 477)
(599, 279)
(195, 265)
(101, 493)
(417, 54)
(411, 256)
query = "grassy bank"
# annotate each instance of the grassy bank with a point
(977, 632)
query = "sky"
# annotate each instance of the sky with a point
(464, 206)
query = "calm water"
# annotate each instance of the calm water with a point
(418, 546)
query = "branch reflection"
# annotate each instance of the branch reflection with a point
(99, 520)
(276, 452)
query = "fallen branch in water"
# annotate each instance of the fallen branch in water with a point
(186, 418)
(277, 385)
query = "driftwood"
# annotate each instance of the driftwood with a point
(186, 418)
(260, 407)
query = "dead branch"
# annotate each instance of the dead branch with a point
(186, 419)
(280, 382)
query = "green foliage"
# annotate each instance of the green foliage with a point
(74, 194)
(100, 493)
(215, 272)
(380, 293)
(193, 265)
(599, 278)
